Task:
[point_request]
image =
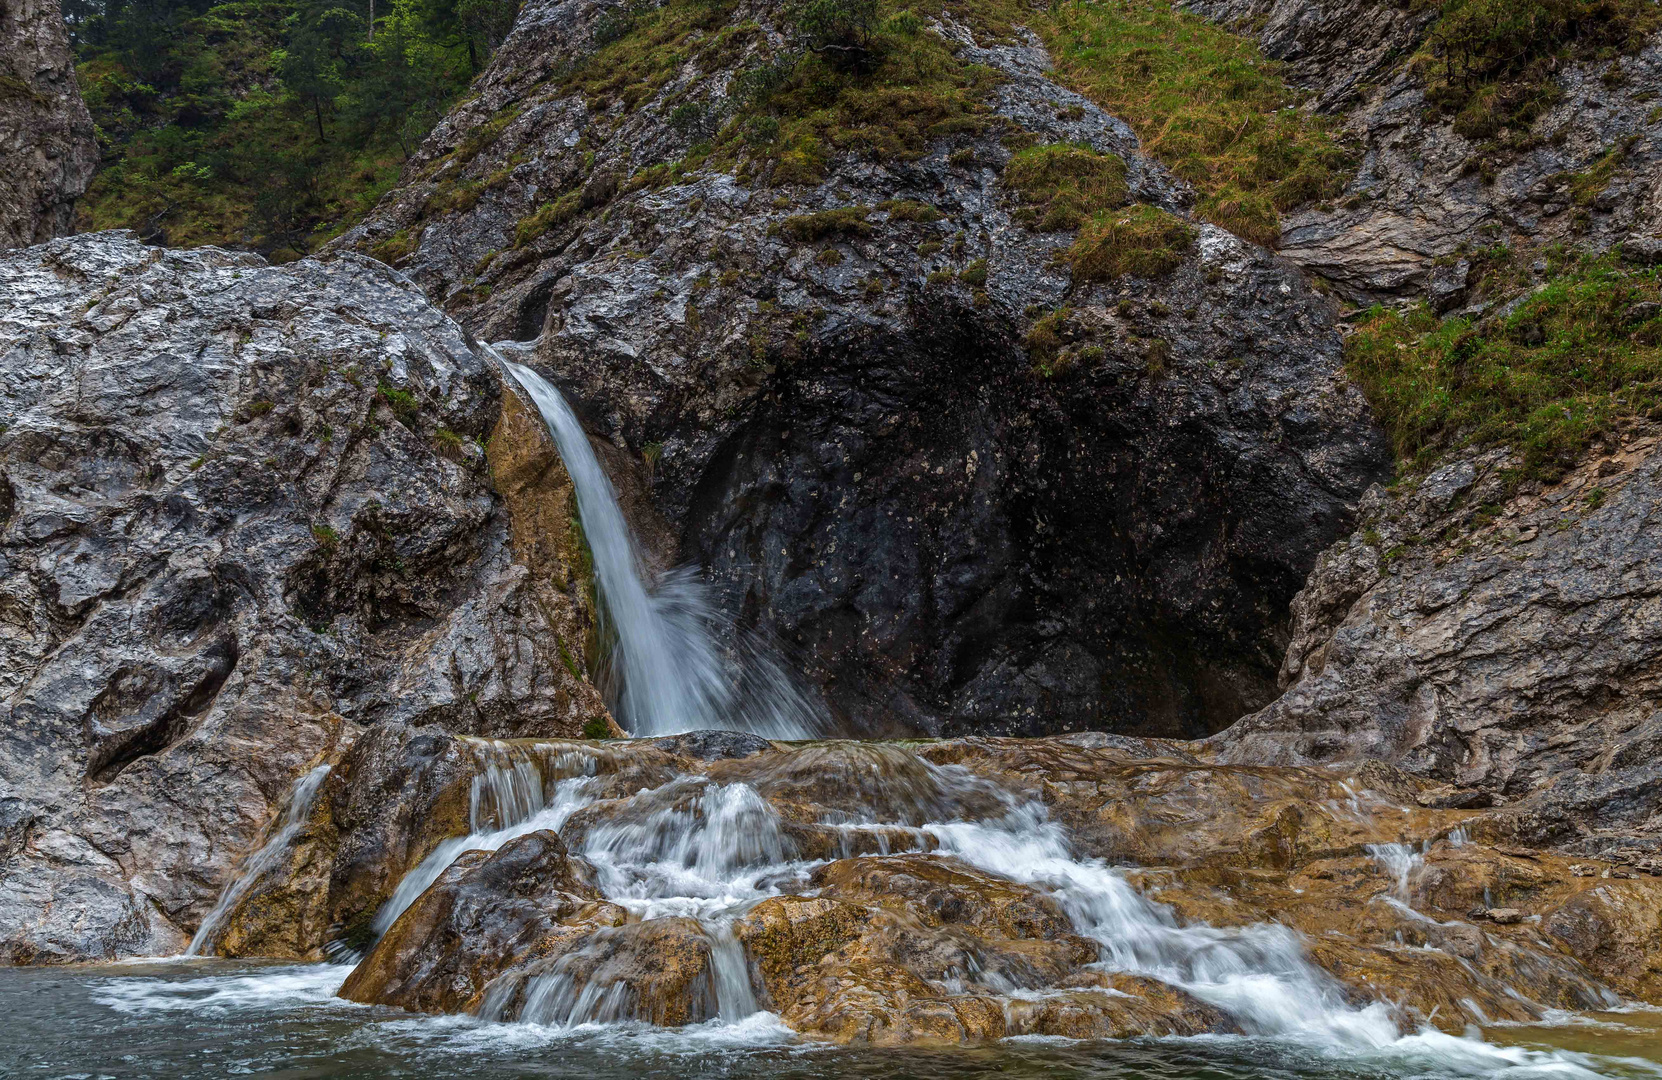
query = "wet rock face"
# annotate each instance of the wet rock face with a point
(1423, 190)
(1514, 659)
(47, 151)
(524, 901)
(245, 514)
(870, 462)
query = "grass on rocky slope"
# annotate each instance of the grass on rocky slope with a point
(1489, 63)
(1565, 366)
(1202, 99)
(1204, 102)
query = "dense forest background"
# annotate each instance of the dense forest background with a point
(270, 124)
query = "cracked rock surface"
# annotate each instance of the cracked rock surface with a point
(1518, 662)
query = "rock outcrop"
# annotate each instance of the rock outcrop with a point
(246, 511)
(971, 493)
(47, 151)
(1509, 647)
(1587, 172)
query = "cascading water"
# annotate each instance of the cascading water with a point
(694, 848)
(263, 861)
(510, 797)
(698, 847)
(668, 673)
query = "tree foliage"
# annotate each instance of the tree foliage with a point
(269, 124)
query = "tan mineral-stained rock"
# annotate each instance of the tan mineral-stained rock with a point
(489, 910)
(658, 971)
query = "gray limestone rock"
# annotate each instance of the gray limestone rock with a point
(1513, 652)
(229, 538)
(852, 436)
(1422, 190)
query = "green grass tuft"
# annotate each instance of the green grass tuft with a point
(1142, 241)
(1061, 186)
(844, 221)
(1565, 367)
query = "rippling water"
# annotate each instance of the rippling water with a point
(217, 1018)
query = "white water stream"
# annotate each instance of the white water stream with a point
(712, 851)
(668, 672)
(262, 862)
(709, 851)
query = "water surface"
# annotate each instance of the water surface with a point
(218, 1018)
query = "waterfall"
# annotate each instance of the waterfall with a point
(262, 862)
(668, 672)
(1401, 862)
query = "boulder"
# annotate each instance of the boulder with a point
(489, 911)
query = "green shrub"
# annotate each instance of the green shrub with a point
(841, 32)
(1143, 241)
(403, 403)
(597, 728)
(1061, 186)
(1489, 62)
(975, 273)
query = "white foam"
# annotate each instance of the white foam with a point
(276, 988)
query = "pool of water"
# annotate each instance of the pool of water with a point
(218, 1018)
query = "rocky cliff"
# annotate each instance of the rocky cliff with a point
(1562, 147)
(1507, 646)
(47, 152)
(973, 490)
(247, 511)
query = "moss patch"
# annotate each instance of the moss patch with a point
(1060, 186)
(843, 222)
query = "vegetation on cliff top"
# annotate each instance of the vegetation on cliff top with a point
(265, 123)
(1544, 378)
(275, 123)
(1204, 102)
(1489, 63)
(867, 76)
